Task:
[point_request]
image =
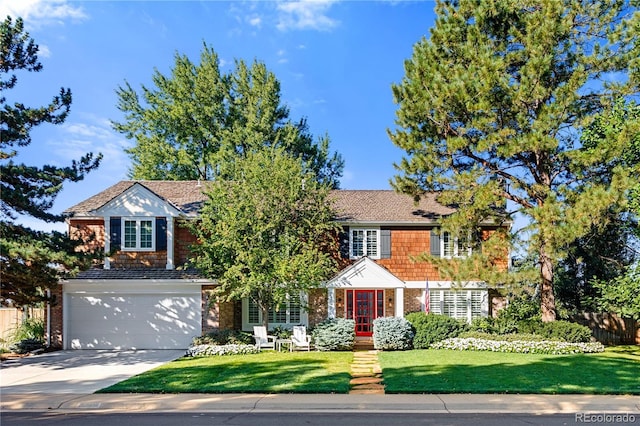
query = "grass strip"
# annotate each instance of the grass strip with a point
(266, 372)
(615, 371)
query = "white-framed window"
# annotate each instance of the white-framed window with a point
(364, 242)
(138, 234)
(461, 304)
(289, 313)
(454, 246)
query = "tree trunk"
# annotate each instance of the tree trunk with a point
(547, 298)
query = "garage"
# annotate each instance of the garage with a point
(122, 315)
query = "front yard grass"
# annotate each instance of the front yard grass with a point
(266, 372)
(615, 371)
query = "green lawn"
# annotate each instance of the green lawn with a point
(266, 372)
(616, 371)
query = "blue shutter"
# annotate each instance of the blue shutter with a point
(435, 242)
(343, 240)
(385, 243)
(115, 234)
(161, 233)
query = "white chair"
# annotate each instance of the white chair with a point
(263, 340)
(299, 339)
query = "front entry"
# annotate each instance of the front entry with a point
(364, 306)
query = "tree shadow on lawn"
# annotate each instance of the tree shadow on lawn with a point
(539, 374)
(242, 374)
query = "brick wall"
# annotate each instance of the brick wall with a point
(317, 306)
(217, 315)
(56, 317)
(413, 300)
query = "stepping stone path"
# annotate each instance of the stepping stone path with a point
(366, 374)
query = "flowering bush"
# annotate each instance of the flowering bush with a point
(211, 350)
(518, 346)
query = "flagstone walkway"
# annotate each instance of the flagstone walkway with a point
(366, 374)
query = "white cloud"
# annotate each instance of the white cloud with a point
(255, 21)
(93, 135)
(305, 15)
(43, 51)
(37, 13)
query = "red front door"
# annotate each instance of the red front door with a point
(364, 306)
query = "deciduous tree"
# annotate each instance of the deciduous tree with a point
(197, 121)
(492, 106)
(266, 233)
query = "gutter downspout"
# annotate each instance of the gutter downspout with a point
(48, 318)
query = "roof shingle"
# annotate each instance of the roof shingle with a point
(351, 205)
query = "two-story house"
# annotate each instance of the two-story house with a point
(141, 297)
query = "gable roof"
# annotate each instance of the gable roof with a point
(186, 196)
(355, 206)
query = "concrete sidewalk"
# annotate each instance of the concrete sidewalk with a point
(245, 403)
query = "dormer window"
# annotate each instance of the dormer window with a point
(138, 234)
(364, 242)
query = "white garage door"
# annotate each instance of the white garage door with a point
(166, 320)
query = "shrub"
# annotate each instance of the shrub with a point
(335, 334)
(567, 331)
(431, 328)
(483, 325)
(392, 333)
(224, 337)
(26, 345)
(218, 350)
(556, 330)
(30, 328)
(518, 346)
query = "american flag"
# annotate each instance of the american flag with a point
(426, 297)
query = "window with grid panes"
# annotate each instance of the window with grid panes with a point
(365, 242)
(138, 234)
(454, 246)
(287, 313)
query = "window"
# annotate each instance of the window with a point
(365, 242)
(454, 246)
(138, 234)
(287, 313)
(461, 304)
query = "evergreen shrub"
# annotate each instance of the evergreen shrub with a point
(431, 328)
(392, 334)
(335, 334)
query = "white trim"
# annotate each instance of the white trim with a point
(170, 236)
(364, 242)
(331, 302)
(107, 242)
(304, 315)
(399, 298)
(467, 285)
(137, 200)
(138, 229)
(365, 273)
(455, 247)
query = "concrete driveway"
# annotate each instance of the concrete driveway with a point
(77, 372)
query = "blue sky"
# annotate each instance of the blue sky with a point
(336, 61)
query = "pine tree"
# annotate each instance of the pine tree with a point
(492, 106)
(31, 261)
